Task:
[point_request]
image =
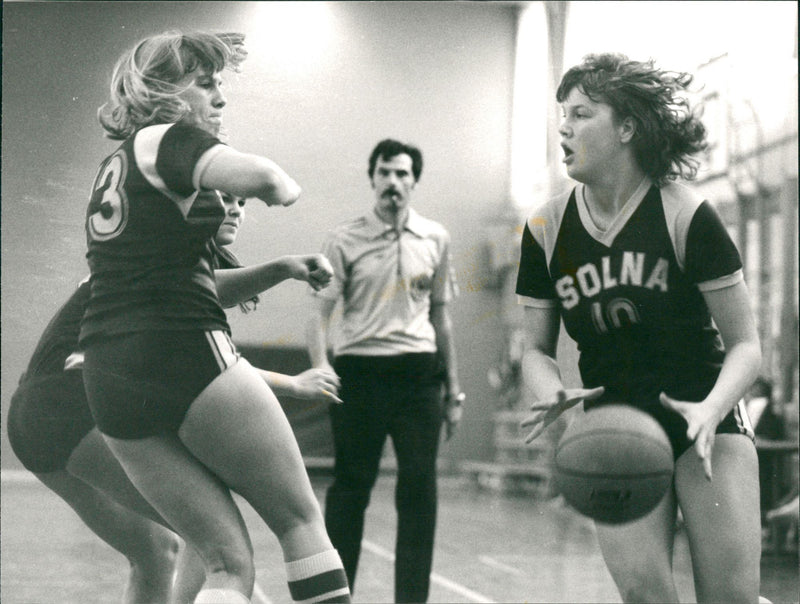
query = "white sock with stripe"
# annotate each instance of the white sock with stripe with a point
(221, 596)
(318, 578)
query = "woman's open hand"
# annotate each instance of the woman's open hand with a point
(546, 412)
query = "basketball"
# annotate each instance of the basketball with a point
(614, 464)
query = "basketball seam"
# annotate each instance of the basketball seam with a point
(582, 474)
(601, 432)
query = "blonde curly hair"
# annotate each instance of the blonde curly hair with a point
(144, 83)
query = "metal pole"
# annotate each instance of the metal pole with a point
(788, 345)
(556, 15)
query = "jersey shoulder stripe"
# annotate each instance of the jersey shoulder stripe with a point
(539, 236)
(145, 153)
(680, 204)
(703, 247)
(545, 222)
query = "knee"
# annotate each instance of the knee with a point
(231, 562)
(159, 554)
(167, 545)
(648, 589)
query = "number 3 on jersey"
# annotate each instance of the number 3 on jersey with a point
(108, 207)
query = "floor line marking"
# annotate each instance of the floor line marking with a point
(496, 564)
(473, 596)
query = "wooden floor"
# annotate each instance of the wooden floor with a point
(490, 548)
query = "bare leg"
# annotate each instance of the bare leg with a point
(150, 548)
(639, 554)
(723, 520)
(188, 581)
(249, 444)
(235, 435)
(94, 463)
(237, 428)
(195, 502)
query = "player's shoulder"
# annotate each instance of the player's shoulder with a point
(547, 215)
(150, 135)
(680, 198)
(680, 204)
(150, 139)
(146, 143)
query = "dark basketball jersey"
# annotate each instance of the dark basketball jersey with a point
(148, 228)
(60, 338)
(630, 296)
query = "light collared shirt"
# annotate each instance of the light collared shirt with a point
(387, 282)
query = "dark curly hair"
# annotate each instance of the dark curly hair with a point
(388, 148)
(668, 132)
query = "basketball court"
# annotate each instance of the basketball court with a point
(320, 86)
(490, 547)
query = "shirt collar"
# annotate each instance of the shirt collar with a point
(414, 224)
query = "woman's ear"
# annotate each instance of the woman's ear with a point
(627, 129)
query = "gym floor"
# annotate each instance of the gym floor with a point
(490, 548)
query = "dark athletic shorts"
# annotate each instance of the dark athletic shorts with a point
(735, 422)
(48, 417)
(142, 384)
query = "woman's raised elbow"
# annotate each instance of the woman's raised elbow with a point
(280, 191)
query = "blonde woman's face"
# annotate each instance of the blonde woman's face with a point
(203, 94)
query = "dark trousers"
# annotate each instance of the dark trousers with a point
(399, 396)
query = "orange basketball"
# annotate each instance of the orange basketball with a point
(614, 464)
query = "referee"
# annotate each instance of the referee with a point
(393, 351)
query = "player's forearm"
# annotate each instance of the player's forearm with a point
(541, 375)
(317, 340)
(276, 186)
(279, 383)
(235, 285)
(248, 175)
(740, 368)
